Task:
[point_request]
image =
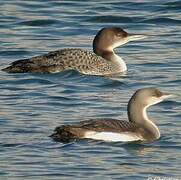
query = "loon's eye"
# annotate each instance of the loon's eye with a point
(119, 35)
(158, 93)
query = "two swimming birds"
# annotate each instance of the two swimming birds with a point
(138, 128)
(102, 61)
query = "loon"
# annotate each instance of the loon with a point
(102, 61)
(138, 128)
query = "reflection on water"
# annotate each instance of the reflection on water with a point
(32, 105)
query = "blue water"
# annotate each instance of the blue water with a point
(32, 105)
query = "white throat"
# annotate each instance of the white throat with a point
(119, 62)
(150, 123)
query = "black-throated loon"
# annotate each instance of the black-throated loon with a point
(103, 61)
(138, 128)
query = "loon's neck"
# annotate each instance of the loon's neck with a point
(111, 56)
(137, 115)
(119, 62)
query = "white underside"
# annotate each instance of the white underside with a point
(112, 137)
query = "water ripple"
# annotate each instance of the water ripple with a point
(39, 22)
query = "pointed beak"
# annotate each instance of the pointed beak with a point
(166, 95)
(135, 37)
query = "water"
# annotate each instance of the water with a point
(32, 105)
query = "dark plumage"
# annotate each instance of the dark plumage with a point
(103, 61)
(138, 128)
(67, 133)
(65, 59)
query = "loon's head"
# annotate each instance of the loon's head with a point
(148, 96)
(109, 38)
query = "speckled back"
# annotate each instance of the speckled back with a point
(82, 60)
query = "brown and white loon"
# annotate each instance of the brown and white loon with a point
(138, 128)
(103, 61)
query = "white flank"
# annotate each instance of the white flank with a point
(111, 136)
